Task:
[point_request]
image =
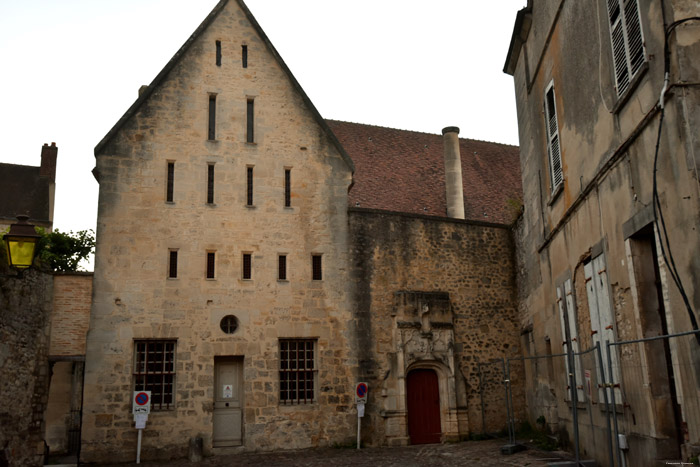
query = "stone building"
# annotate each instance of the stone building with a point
(605, 213)
(254, 261)
(29, 190)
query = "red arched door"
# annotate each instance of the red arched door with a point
(423, 400)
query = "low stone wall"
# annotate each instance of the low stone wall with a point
(25, 305)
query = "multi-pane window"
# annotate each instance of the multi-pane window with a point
(212, 117)
(218, 53)
(282, 267)
(287, 187)
(154, 370)
(627, 41)
(211, 262)
(244, 56)
(249, 186)
(170, 182)
(602, 320)
(553, 148)
(316, 267)
(172, 264)
(250, 123)
(210, 184)
(567, 318)
(247, 266)
(297, 371)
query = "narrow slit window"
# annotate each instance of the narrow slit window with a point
(316, 267)
(218, 53)
(244, 56)
(250, 136)
(170, 183)
(287, 188)
(247, 266)
(212, 117)
(172, 265)
(282, 267)
(210, 184)
(249, 186)
(211, 261)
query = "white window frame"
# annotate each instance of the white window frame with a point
(567, 316)
(556, 169)
(602, 322)
(626, 40)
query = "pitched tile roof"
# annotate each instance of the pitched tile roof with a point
(23, 191)
(404, 171)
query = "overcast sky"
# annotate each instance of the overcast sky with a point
(71, 68)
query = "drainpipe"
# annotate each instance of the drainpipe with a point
(453, 173)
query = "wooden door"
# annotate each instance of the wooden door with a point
(423, 401)
(228, 402)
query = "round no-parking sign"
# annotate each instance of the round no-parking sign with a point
(142, 402)
(361, 393)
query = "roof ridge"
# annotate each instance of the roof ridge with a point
(421, 132)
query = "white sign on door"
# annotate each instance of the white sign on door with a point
(228, 391)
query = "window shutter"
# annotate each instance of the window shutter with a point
(627, 41)
(553, 147)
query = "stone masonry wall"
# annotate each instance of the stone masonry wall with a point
(25, 304)
(137, 228)
(474, 264)
(70, 316)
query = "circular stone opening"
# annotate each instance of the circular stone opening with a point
(229, 324)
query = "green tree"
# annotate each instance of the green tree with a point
(60, 251)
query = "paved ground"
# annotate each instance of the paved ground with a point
(471, 453)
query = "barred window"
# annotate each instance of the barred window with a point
(287, 188)
(297, 371)
(154, 370)
(210, 184)
(170, 183)
(247, 266)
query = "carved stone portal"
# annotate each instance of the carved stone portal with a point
(423, 337)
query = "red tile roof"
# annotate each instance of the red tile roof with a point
(404, 171)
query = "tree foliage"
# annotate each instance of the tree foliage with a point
(60, 251)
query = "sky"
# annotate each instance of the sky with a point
(71, 68)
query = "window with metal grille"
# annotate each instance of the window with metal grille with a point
(218, 53)
(247, 266)
(210, 184)
(316, 268)
(154, 370)
(250, 112)
(287, 187)
(229, 324)
(627, 41)
(244, 56)
(212, 116)
(297, 371)
(553, 149)
(249, 186)
(282, 267)
(211, 260)
(171, 182)
(172, 265)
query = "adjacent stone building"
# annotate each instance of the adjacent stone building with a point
(608, 111)
(255, 261)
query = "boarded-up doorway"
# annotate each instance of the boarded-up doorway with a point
(423, 402)
(228, 401)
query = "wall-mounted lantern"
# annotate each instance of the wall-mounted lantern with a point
(20, 243)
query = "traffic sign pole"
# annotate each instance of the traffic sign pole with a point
(360, 400)
(141, 409)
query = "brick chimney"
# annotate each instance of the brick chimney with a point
(48, 162)
(453, 173)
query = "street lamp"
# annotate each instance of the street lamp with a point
(20, 243)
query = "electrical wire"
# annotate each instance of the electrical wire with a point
(659, 220)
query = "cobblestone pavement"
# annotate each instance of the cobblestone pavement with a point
(470, 453)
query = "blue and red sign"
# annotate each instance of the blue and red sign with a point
(361, 393)
(141, 398)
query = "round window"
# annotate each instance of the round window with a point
(229, 324)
